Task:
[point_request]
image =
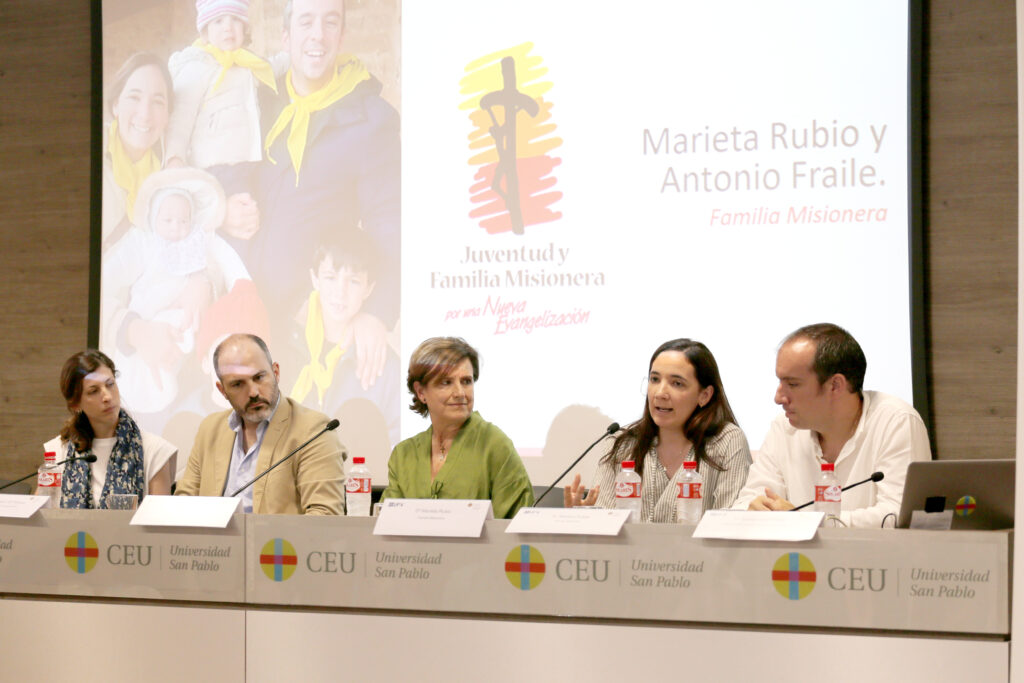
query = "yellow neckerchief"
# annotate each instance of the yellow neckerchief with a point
(240, 57)
(349, 72)
(316, 372)
(129, 174)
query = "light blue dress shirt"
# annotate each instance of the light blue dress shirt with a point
(243, 463)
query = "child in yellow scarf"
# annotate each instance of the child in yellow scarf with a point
(343, 276)
(217, 114)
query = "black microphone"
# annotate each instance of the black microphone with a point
(877, 476)
(85, 458)
(612, 428)
(333, 424)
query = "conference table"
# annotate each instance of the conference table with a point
(86, 595)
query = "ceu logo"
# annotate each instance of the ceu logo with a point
(278, 559)
(81, 552)
(793, 576)
(524, 567)
(511, 142)
(965, 506)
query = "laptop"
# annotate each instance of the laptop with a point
(979, 492)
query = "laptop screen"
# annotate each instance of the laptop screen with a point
(979, 492)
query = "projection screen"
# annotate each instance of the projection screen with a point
(565, 186)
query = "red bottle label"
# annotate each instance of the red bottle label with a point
(357, 485)
(49, 479)
(625, 489)
(828, 494)
(689, 490)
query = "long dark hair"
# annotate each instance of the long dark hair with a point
(704, 423)
(77, 429)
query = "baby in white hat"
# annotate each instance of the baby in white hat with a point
(159, 280)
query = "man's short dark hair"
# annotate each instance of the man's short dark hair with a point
(352, 249)
(236, 338)
(287, 15)
(836, 352)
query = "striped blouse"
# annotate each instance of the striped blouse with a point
(728, 449)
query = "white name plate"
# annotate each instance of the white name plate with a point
(585, 521)
(20, 506)
(745, 525)
(211, 512)
(433, 517)
(938, 521)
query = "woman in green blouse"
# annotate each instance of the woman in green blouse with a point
(460, 455)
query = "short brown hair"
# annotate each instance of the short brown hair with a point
(287, 15)
(234, 339)
(436, 357)
(836, 352)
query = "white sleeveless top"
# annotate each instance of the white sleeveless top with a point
(156, 452)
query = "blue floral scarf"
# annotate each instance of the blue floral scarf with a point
(124, 470)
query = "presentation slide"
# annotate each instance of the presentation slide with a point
(564, 186)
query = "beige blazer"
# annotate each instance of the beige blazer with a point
(310, 483)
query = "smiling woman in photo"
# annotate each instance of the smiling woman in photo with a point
(686, 417)
(460, 455)
(138, 105)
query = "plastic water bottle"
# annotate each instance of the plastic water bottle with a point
(828, 495)
(49, 480)
(690, 498)
(357, 489)
(627, 490)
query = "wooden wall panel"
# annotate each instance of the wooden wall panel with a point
(44, 215)
(971, 221)
(971, 225)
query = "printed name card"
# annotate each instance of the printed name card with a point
(937, 521)
(745, 525)
(212, 512)
(20, 506)
(584, 521)
(431, 517)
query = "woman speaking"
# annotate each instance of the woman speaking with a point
(460, 455)
(686, 417)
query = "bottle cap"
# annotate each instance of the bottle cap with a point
(690, 465)
(628, 465)
(358, 460)
(50, 456)
(828, 467)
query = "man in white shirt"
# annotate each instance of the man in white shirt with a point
(829, 418)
